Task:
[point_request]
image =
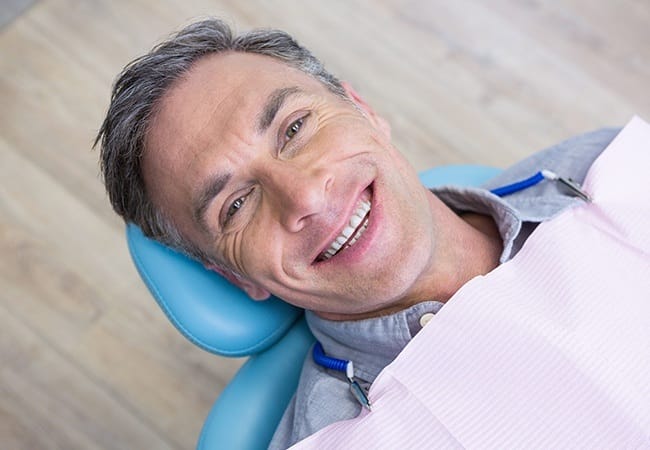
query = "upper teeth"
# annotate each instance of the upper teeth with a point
(346, 238)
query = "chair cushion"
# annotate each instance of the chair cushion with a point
(208, 310)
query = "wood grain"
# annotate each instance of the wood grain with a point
(87, 358)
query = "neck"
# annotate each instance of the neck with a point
(483, 258)
(470, 246)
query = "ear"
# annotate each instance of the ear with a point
(252, 289)
(379, 122)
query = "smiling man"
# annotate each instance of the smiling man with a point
(246, 154)
(296, 190)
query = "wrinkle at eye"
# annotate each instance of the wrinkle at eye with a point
(226, 253)
(235, 250)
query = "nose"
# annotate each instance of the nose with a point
(297, 193)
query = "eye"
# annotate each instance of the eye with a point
(237, 211)
(294, 128)
(235, 206)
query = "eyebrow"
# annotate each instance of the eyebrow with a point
(273, 105)
(212, 188)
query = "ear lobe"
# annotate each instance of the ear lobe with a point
(379, 122)
(252, 289)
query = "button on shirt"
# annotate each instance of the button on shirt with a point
(426, 318)
(322, 396)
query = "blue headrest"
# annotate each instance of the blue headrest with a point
(216, 315)
(208, 310)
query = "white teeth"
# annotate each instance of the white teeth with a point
(347, 231)
(357, 218)
(365, 206)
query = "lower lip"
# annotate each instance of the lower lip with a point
(356, 252)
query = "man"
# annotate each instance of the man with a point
(246, 154)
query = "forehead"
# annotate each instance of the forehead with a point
(217, 93)
(232, 80)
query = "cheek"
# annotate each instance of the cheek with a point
(404, 169)
(346, 133)
(260, 250)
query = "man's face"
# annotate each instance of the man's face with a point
(264, 168)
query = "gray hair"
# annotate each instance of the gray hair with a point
(137, 92)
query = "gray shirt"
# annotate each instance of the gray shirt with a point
(322, 396)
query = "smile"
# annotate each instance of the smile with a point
(351, 233)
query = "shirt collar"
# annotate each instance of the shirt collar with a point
(477, 200)
(357, 340)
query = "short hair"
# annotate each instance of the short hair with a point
(138, 90)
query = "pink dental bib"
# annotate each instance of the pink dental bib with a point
(550, 350)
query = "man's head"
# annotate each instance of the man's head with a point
(271, 172)
(137, 93)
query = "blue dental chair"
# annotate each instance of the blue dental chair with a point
(220, 318)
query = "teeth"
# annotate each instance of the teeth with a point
(343, 240)
(355, 221)
(347, 231)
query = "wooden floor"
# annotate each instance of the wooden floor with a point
(87, 360)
